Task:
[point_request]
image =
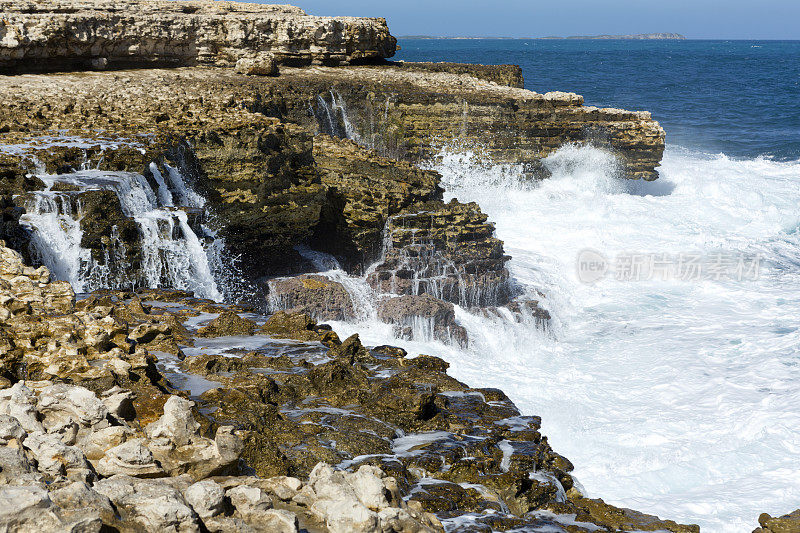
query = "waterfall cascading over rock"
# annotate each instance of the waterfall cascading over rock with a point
(170, 251)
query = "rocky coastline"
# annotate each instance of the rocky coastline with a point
(194, 171)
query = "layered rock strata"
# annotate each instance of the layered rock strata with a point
(364, 190)
(99, 34)
(446, 250)
(399, 111)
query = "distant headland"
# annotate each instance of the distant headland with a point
(636, 36)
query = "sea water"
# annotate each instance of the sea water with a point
(677, 395)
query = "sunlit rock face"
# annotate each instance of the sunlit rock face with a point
(99, 34)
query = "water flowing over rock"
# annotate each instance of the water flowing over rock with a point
(100, 34)
(317, 296)
(422, 318)
(446, 250)
(149, 404)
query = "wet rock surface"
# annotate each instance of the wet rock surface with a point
(317, 296)
(365, 190)
(271, 434)
(434, 318)
(788, 523)
(447, 250)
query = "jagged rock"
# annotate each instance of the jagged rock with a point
(228, 323)
(28, 508)
(11, 432)
(423, 316)
(349, 502)
(276, 520)
(52, 34)
(178, 447)
(788, 523)
(97, 443)
(61, 402)
(177, 425)
(247, 499)
(149, 504)
(260, 65)
(119, 402)
(298, 326)
(445, 250)
(317, 296)
(364, 190)
(20, 403)
(207, 498)
(283, 487)
(131, 458)
(79, 502)
(16, 467)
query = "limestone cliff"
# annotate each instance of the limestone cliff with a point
(79, 34)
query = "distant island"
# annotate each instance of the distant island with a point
(636, 36)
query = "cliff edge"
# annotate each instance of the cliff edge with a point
(57, 35)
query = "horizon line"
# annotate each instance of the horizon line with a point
(581, 38)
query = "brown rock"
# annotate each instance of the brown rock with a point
(317, 296)
(227, 324)
(422, 317)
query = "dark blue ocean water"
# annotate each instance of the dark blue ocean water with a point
(741, 98)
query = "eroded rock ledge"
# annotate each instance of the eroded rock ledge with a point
(82, 34)
(95, 435)
(401, 112)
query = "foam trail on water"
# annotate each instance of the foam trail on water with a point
(677, 398)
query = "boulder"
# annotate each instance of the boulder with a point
(61, 402)
(422, 318)
(149, 504)
(352, 502)
(317, 296)
(132, 458)
(262, 64)
(29, 508)
(229, 323)
(179, 448)
(447, 251)
(207, 498)
(78, 502)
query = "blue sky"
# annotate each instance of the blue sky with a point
(698, 19)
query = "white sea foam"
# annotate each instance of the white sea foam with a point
(677, 398)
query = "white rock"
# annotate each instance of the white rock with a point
(119, 401)
(79, 502)
(284, 487)
(97, 443)
(349, 516)
(131, 458)
(177, 425)
(274, 521)
(61, 401)
(11, 431)
(20, 402)
(207, 498)
(153, 505)
(56, 458)
(247, 499)
(369, 487)
(27, 508)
